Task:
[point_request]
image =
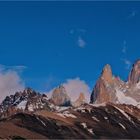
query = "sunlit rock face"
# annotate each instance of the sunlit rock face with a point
(134, 76)
(60, 97)
(110, 88)
(81, 100)
(114, 112)
(103, 90)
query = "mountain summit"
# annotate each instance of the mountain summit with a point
(60, 96)
(113, 111)
(110, 88)
(25, 101)
(134, 76)
(103, 90)
(107, 73)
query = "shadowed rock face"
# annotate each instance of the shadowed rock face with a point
(134, 76)
(60, 97)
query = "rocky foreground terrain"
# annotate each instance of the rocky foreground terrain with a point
(113, 111)
(85, 122)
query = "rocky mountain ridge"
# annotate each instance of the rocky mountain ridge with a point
(31, 101)
(113, 111)
(60, 97)
(104, 121)
(109, 88)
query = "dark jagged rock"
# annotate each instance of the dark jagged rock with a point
(28, 100)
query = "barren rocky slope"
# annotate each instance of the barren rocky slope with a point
(85, 122)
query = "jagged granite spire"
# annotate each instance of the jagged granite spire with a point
(81, 100)
(134, 76)
(103, 91)
(107, 73)
(60, 97)
(100, 93)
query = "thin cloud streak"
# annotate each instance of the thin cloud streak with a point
(18, 68)
(132, 14)
(72, 31)
(82, 30)
(125, 60)
(79, 33)
(81, 42)
(124, 49)
(127, 63)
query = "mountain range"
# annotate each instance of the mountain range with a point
(113, 111)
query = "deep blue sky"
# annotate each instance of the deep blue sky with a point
(43, 36)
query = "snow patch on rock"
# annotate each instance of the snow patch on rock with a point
(123, 113)
(123, 99)
(95, 119)
(122, 126)
(90, 131)
(84, 125)
(22, 105)
(68, 114)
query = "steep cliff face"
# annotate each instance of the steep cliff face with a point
(112, 89)
(134, 76)
(103, 90)
(115, 112)
(81, 100)
(60, 97)
(107, 74)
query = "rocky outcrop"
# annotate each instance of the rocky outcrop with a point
(31, 115)
(112, 89)
(134, 76)
(26, 101)
(81, 100)
(106, 74)
(60, 97)
(103, 90)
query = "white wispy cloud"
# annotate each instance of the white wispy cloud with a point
(81, 42)
(124, 49)
(18, 68)
(125, 60)
(72, 31)
(79, 33)
(10, 82)
(81, 30)
(127, 63)
(132, 14)
(74, 87)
